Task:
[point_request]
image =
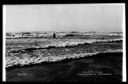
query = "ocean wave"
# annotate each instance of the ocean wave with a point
(27, 60)
(66, 44)
(77, 42)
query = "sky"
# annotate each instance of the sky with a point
(64, 17)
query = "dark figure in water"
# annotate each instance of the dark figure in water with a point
(54, 35)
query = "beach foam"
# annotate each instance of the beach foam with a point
(27, 60)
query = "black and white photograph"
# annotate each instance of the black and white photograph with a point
(64, 42)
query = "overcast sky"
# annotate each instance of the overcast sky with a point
(64, 17)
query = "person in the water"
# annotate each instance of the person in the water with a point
(54, 35)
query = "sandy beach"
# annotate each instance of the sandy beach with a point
(100, 67)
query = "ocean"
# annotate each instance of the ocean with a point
(25, 51)
(30, 52)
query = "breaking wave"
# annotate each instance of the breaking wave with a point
(63, 45)
(26, 60)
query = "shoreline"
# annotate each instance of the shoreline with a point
(71, 69)
(85, 56)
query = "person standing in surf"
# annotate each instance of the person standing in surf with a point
(54, 35)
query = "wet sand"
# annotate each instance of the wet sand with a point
(100, 67)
